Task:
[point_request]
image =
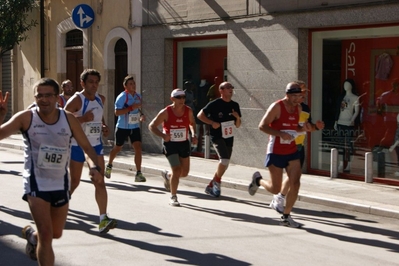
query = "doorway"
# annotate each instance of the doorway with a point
(74, 57)
(74, 67)
(120, 51)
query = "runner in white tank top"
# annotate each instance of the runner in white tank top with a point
(87, 106)
(47, 132)
(47, 148)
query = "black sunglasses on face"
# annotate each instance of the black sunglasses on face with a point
(40, 96)
(180, 97)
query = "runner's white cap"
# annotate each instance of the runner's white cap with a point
(177, 92)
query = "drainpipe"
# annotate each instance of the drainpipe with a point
(42, 57)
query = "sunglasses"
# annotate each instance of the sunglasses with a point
(180, 97)
(45, 95)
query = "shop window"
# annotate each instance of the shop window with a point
(355, 91)
(201, 68)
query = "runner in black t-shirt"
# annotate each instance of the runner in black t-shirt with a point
(223, 115)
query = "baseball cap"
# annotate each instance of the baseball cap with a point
(293, 88)
(177, 92)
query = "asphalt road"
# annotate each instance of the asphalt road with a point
(235, 229)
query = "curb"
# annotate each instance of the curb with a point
(362, 208)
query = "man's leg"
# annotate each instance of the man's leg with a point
(75, 170)
(100, 189)
(274, 184)
(173, 182)
(174, 179)
(120, 137)
(285, 187)
(42, 214)
(115, 150)
(185, 166)
(286, 184)
(112, 154)
(294, 175)
(137, 154)
(224, 153)
(58, 218)
(278, 200)
(220, 170)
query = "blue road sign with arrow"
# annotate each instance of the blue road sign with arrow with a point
(83, 16)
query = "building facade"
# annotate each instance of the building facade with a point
(257, 45)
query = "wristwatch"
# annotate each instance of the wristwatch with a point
(98, 168)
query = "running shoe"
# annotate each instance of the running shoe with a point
(253, 187)
(30, 248)
(213, 190)
(209, 191)
(173, 201)
(166, 181)
(277, 203)
(216, 188)
(139, 178)
(289, 222)
(106, 224)
(108, 171)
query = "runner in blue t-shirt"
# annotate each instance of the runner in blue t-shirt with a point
(127, 108)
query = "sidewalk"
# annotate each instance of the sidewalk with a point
(358, 196)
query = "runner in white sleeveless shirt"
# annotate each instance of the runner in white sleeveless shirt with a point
(87, 106)
(47, 132)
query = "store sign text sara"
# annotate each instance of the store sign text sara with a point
(350, 60)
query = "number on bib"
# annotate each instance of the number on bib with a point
(134, 119)
(51, 157)
(227, 129)
(293, 133)
(93, 129)
(179, 134)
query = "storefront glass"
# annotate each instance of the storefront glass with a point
(355, 91)
(200, 70)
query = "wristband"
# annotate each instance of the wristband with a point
(98, 168)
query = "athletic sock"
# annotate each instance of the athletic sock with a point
(285, 216)
(257, 181)
(109, 165)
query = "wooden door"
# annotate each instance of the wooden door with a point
(74, 67)
(120, 67)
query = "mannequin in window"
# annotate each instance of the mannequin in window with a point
(345, 122)
(388, 106)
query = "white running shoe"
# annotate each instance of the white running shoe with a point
(253, 187)
(277, 203)
(289, 222)
(173, 201)
(166, 181)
